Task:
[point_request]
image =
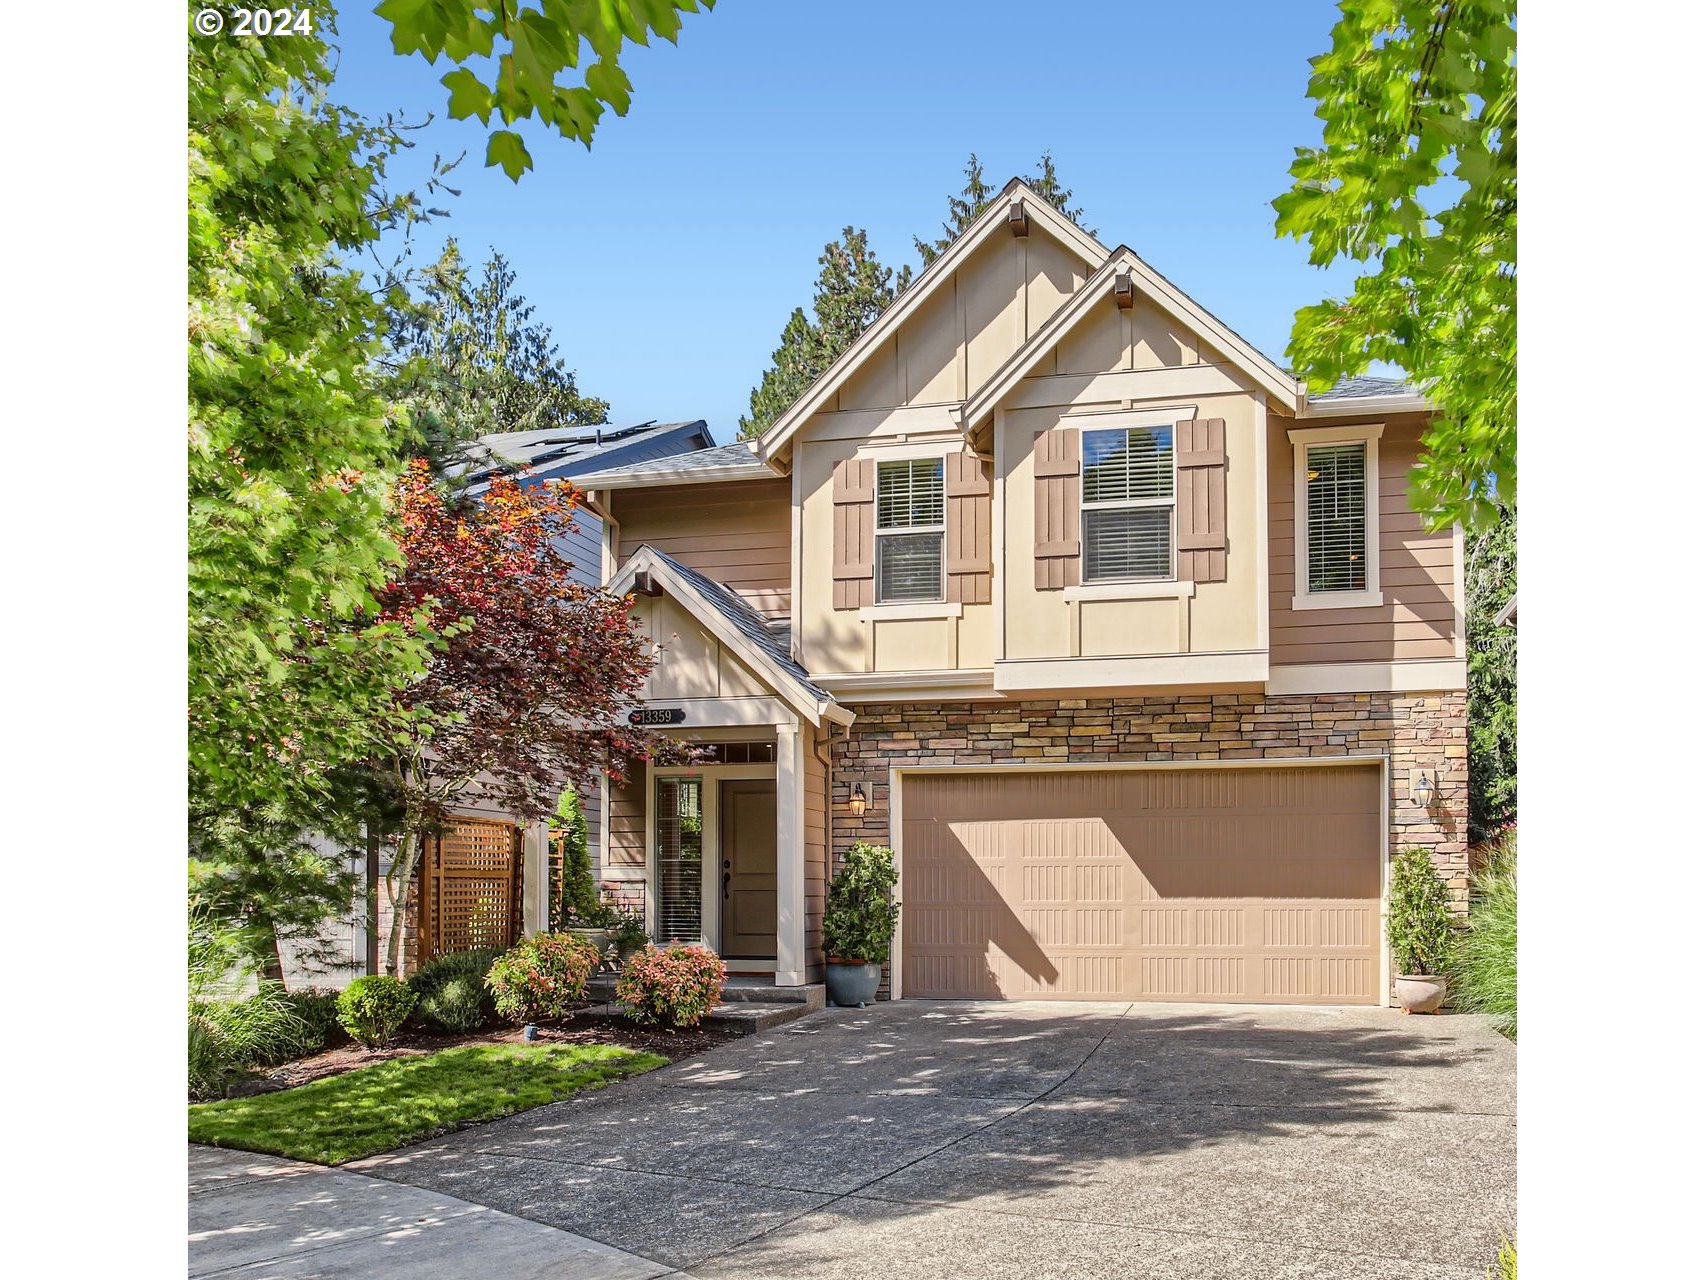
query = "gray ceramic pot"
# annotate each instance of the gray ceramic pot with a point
(1420, 992)
(852, 984)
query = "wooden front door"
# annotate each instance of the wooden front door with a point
(749, 869)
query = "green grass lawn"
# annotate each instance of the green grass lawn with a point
(377, 1108)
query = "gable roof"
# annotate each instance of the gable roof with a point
(1365, 394)
(569, 452)
(1042, 215)
(739, 627)
(1157, 289)
(723, 462)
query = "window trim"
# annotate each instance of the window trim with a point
(1302, 439)
(1129, 422)
(878, 533)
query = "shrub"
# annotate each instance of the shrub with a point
(542, 976)
(373, 1009)
(231, 1034)
(628, 934)
(674, 986)
(318, 1011)
(1483, 962)
(1418, 923)
(452, 991)
(860, 914)
(577, 901)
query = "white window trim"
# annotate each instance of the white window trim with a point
(1125, 421)
(1137, 589)
(910, 609)
(878, 533)
(1301, 439)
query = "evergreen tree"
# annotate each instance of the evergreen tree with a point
(976, 196)
(1491, 582)
(852, 289)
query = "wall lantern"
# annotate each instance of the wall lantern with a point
(856, 802)
(1423, 792)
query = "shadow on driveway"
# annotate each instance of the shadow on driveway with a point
(924, 1138)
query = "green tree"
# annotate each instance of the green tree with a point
(528, 46)
(976, 196)
(469, 358)
(1490, 574)
(851, 291)
(1416, 178)
(290, 442)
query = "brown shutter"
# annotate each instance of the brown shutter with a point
(966, 477)
(1056, 457)
(1200, 447)
(855, 494)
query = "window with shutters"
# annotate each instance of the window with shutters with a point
(910, 530)
(1128, 504)
(1337, 520)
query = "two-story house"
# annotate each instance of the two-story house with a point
(1130, 649)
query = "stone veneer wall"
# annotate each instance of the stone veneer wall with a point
(1426, 731)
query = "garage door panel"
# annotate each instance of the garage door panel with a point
(1257, 885)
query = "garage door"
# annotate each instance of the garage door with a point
(1228, 885)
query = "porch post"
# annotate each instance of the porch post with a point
(790, 857)
(535, 879)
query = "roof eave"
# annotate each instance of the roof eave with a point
(606, 481)
(1407, 402)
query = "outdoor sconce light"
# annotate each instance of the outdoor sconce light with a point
(1423, 792)
(856, 802)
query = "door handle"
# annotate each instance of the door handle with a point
(727, 876)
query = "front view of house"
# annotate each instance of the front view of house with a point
(1131, 650)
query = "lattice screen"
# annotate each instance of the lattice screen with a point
(471, 887)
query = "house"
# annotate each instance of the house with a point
(1128, 646)
(486, 877)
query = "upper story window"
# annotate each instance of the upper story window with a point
(1337, 504)
(1337, 485)
(1128, 504)
(911, 529)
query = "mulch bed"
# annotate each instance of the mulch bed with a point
(578, 1029)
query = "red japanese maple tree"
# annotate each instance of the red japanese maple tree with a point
(533, 676)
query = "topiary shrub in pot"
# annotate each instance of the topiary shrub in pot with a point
(672, 986)
(541, 977)
(452, 991)
(373, 1009)
(1418, 927)
(858, 924)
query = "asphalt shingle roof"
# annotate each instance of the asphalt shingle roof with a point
(560, 447)
(1366, 385)
(719, 458)
(748, 621)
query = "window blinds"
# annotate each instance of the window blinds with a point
(1120, 466)
(680, 865)
(1337, 488)
(911, 511)
(1128, 504)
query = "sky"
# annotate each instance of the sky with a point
(667, 258)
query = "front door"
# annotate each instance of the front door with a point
(749, 869)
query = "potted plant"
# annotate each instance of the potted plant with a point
(858, 923)
(627, 935)
(1418, 926)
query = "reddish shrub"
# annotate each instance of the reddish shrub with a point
(674, 986)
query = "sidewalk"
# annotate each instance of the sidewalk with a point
(254, 1216)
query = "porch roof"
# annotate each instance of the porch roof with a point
(738, 625)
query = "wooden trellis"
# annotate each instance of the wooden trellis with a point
(470, 887)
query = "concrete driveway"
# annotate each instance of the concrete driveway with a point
(924, 1139)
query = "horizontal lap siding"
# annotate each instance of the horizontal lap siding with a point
(1418, 618)
(737, 533)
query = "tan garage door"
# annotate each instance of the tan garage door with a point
(1226, 885)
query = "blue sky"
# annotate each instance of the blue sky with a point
(667, 258)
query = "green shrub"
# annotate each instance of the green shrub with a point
(1483, 963)
(577, 901)
(673, 986)
(542, 976)
(231, 1034)
(452, 991)
(628, 934)
(860, 913)
(317, 1009)
(373, 1009)
(1418, 923)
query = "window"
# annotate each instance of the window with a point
(1337, 500)
(911, 511)
(680, 859)
(1337, 484)
(1128, 504)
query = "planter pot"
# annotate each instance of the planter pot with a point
(599, 938)
(1420, 992)
(852, 983)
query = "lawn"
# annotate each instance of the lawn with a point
(377, 1108)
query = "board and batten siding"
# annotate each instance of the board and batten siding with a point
(1417, 619)
(735, 532)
